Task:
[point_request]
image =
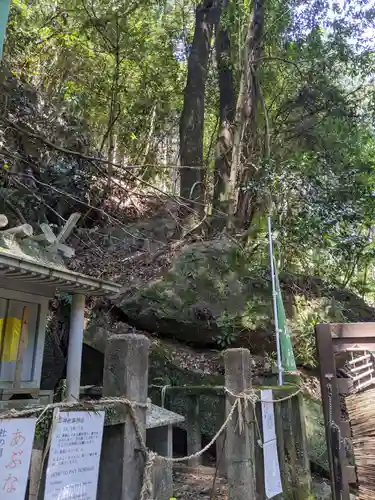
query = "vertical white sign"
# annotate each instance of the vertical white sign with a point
(16, 444)
(73, 464)
(272, 479)
(268, 416)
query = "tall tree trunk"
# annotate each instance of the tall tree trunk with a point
(192, 117)
(149, 136)
(223, 155)
(246, 117)
(114, 108)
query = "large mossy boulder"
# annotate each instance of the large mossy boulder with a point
(215, 294)
(205, 295)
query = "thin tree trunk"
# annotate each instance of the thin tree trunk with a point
(112, 148)
(192, 117)
(149, 135)
(120, 154)
(224, 146)
(114, 110)
(246, 116)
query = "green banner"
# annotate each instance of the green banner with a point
(287, 356)
(4, 14)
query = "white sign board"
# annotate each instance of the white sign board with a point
(16, 444)
(272, 479)
(73, 464)
(268, 416)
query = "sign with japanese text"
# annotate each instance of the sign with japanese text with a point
(272, 479)
(16, 444)
(268, 415)
(73, 464)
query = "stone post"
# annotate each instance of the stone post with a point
(125, 375)
(239, 445)
(193, 429)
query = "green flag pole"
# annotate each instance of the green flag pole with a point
(4, 14)
(274, 298)
(286, 347)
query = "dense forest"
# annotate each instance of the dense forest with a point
(217, 112)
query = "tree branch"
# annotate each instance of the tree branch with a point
(183, 202)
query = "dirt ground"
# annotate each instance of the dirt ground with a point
(191, 483)
(197, 483)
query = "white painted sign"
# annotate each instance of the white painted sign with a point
(16, 444)
(268, 416)
(73, 465)
(272, 479)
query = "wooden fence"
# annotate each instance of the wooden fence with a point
(335, 344)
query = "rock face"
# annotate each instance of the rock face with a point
(214, 294)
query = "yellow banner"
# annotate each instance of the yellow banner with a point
(9, 342)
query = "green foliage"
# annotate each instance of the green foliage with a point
(65, 298)
(120, 69)
(315, 432)
(96, 57)
(308, 314)
(228, 326)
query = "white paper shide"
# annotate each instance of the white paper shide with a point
(73, 465)
(16, 443)
(268, 416)
(272, 479)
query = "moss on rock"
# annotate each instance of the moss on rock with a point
(164, 372)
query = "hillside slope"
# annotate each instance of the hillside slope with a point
(193, 294)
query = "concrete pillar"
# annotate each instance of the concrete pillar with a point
(239, 445)
(221, 459)
(125, 375)
(193, 429)
(73, 372)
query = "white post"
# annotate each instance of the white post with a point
(73, 373)
(279, 365)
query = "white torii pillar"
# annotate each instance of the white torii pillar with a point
(73, 372)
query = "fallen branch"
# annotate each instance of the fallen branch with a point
(22, 231)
